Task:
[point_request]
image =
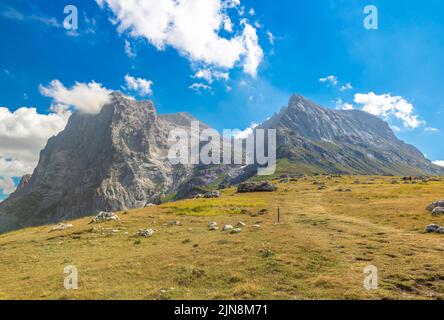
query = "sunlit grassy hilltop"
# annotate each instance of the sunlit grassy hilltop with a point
(318, 251)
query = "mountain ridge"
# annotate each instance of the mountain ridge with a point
(117, 159)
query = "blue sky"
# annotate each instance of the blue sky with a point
(401, 62)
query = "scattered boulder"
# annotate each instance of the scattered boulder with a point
(236, 230)
(438, 211)
(61, 227)
(240, 224)
(228, 227)
(432, 228)
(104, 216)
(260, 213)
(174, 223)
(212, 194)
(256, 187)
(434, 205)
(213, 226)
(145, 233)
(148, 205)
(323, 187)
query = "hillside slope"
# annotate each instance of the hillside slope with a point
(318, 251)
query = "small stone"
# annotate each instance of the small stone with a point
(104, 216)
(228, 227)
(150, 205)
(240, 224)
(212, 194)
(436, 204)
(213, 226)
(236, 230)
(62, 226)
(438, 211)
(174, 223)
(440, 230)
(432, 228)
(145, 233)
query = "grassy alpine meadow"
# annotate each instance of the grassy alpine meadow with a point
(318, 250)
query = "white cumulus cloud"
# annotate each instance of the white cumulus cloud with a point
(346, 87)
(84, 97)
(389, 107)
(200, 87)
(193, 28)
(431, 129)
(341, 105)
(330, 80)
(243, 134)
(439, 163)
(23, 133)
(139, 85)
(211, 75)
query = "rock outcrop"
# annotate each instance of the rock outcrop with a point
(264, 186)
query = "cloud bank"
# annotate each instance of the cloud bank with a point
(193, 28)
(83, 97)
(23, 133)
(387, 106)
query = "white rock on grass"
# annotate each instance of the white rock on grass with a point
(213, 226)
(236, 230)
(228, 227)
(104, 216)
(240, 224)
(145, 233)
(62, 226)
(438, 211)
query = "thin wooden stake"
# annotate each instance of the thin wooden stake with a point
(279, 215)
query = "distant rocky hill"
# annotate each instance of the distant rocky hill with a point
(117, 159)
(343, 141)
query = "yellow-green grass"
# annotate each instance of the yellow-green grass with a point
(318, 251)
